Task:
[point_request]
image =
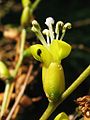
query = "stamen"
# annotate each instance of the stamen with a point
(47, 33)
(37, 29)
(49, 22)
(67, 25)
(59, 25)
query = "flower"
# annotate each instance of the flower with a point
(57, 48)
(50, 54)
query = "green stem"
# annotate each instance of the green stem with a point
(34, 5)
(76, 83)
(20, 93)
(9, 84)
(50, 109)
(23, 37)
(5, 99)
(52, 106)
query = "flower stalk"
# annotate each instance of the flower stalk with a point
(34, 5)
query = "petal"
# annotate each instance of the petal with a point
(40, 53)
(65, 49)
(54, 49)
(59, 50)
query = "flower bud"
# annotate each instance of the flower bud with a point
(4, 72)
(26, 16)
(62, 116)
(53, 81)
(26, 3)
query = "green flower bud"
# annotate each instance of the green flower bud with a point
(62, 116)
(26, 3)
(4, 73)
(53, 81)
(26, 16)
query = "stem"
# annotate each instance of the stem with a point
(9, 94)
(20, 94)
(50, 109)
(5, 99)
(23, 37)
(10, 84)
(34, 5)
(76, 83)
(52, 106)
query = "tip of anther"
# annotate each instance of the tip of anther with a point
(49, 21)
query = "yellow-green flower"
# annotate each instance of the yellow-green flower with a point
(50, 53)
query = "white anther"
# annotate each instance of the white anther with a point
(37, 29)
(47, 33)
(36, 25)
(59, 25)
(49, 22)
(67, 25)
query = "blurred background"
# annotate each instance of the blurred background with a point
(77, 12)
